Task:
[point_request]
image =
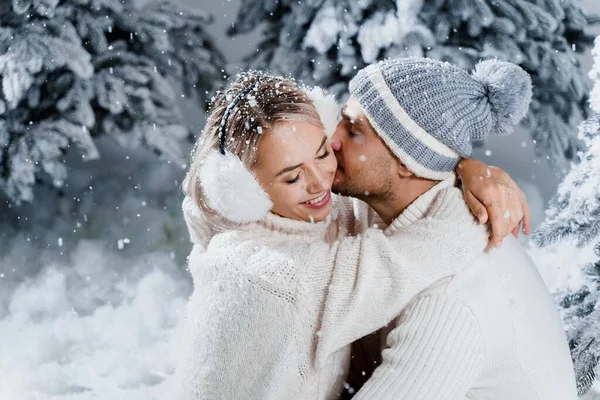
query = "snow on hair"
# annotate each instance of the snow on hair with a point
(249, 121)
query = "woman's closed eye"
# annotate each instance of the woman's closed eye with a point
(324, 155)
(293, 180)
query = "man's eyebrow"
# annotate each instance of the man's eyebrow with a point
(354, 121)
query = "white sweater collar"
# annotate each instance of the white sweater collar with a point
(419, 208)
(273, 222)
(201, 233)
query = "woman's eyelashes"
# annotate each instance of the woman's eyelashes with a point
(297, 177)
(324, 155)
(294, 180)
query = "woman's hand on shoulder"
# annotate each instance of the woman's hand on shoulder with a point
(492, 195)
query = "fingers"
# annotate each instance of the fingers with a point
(506, 216)
(498, 212)
(520, 212)
(515, 231)
(477, 207)
(515, 211)
(498, 223)
(526, 214)
(497, 199)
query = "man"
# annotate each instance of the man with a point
(492, 331)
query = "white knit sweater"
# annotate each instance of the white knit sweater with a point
(275, 307)
(491, 332)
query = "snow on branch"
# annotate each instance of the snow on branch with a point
(71, 71)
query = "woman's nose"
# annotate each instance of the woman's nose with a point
(317, 183)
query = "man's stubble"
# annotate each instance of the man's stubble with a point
(372, 182)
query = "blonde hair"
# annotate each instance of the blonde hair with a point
(274, 100)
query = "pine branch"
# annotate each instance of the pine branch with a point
(75, 70)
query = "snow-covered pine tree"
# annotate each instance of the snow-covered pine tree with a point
(326, 41)
(72, 70)
(568, 243)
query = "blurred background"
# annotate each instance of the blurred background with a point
(101, 103)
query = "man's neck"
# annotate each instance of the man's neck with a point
(401, 196)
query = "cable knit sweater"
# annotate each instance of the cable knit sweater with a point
(277, 303)
(490, 332)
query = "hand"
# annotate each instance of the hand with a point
(493, 196)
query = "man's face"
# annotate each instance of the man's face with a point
(366, 166)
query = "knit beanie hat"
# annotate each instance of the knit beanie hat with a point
(428, 112)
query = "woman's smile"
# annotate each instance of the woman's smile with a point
(320, 201)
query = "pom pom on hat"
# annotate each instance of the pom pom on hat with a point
(508, 92)
(231, 190)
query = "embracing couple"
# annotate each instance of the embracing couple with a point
(299, 293)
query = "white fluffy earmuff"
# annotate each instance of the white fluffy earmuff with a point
(327, 108)
(231, 190)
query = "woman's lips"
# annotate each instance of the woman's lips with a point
(324, 199)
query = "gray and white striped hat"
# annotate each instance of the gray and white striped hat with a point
(428, 112)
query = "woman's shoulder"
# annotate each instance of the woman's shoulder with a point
(270, 265)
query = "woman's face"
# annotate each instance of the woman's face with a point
(296, 166)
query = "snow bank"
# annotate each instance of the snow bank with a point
(93, 285)
(98, 326)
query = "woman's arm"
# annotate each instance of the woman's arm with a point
(493, 196)
(359, 284)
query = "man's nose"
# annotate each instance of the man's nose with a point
(335, 139)
(336, 145)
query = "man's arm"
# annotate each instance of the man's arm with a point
(435, 352)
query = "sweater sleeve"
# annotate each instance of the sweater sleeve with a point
(435, 352)
(365, 281)
(238, 341)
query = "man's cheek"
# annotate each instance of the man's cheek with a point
(358, 140)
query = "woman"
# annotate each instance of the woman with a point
(280, 289)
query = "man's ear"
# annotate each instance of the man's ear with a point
(403, 172)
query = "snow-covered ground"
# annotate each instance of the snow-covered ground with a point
(93, 290)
